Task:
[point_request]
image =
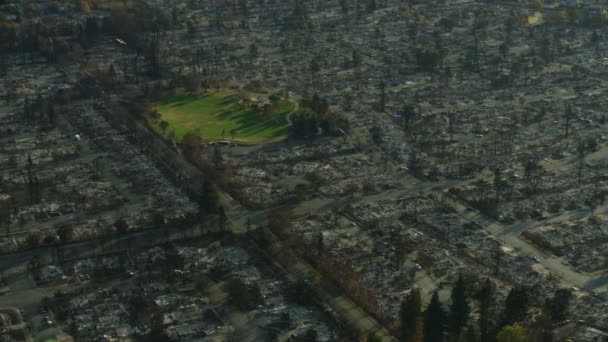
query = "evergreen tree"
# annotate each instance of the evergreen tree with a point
(91, 29)
(460, 309)
(486, 310)
(516, 306)
(315, 67)
(382, 103)
(253, 51)
(344, 7)
(26, 108)
(557, 307)
(409, 115)
(371, 6)
(356, 58)
(470, 335)
(409, 313)
(208, 199)
(434, 320)
(568, 115)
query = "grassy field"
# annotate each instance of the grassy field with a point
(219, 115)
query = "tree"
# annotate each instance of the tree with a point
(209, 199)
(503, 49)
(279, 221)
(460, 309)
(487, 310)
(512, 333)
(173, 260)
(158, 218)
(377, 135)
(595, 38)
(557, 307)
(26, 108)
(344, 7)
(191, 145)
(33, 239)
(581, 153)
(299, 16)
(382, 102)
(315, 67)
(218, 158)
(157, 330)
(222, 218)
(447, 74)
(532, 175)
(152, 55)
(409, 115)
(66, 233)
(253, 51)
(163, 126)
(240, 294)
(371, 6)
(434, 320)
(541, 329)
(470, 335)
(137, 305)
(356, 58)
(91, 29)
(5, 217)
(428, 60)
(309, 335)
(500, 183)
(516, 306)
(595, 42)
(121, 225)
(372, 337)
(304, 125)
(409, 313)
(568, 117)
(447, 24)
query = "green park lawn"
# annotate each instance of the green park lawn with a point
(216, 115)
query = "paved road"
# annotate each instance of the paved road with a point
(13, 265)
(510, 236)
(568, 276)
(326, 293)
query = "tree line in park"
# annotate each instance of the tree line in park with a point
(315, 117)
(509, 321)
